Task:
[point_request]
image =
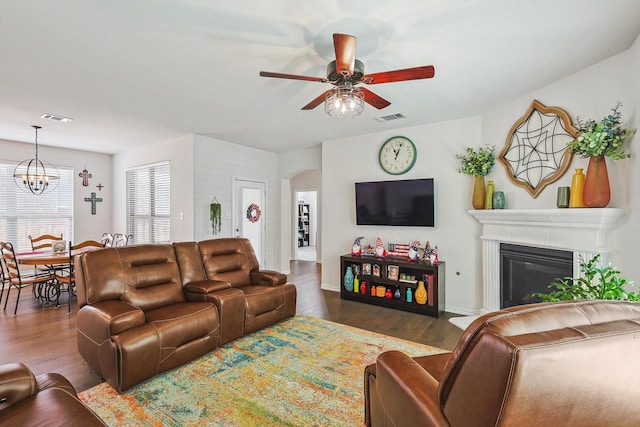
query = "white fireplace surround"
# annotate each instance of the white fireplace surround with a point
(581, 231)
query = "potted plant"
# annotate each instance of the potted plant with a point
(597, 140)
(477, 163)
(597, 281)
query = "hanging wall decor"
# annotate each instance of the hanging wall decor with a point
(93, 200)
(215, 215)
(253, 213)
(536, 152)
(85, 175)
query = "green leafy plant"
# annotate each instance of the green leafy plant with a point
(605, 137)
(597, 281)
(215, 215)
(477, 163)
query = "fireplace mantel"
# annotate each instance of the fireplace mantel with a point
(582, 231)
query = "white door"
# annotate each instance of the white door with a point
(250, 211)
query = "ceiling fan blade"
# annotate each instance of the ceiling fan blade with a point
(345, 47)
(317, 101)
(293, 77)
(416, 73)
(373, 99)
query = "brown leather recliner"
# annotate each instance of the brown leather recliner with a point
(47, 399)
(134, 321)
(551, 364)
(248, 299)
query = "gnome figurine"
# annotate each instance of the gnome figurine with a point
(414, 253)
(381, 252)
(356, 249)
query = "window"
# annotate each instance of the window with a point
(149, 203)
(23, 214)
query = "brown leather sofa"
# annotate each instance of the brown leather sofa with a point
(149, 308)
(552, 364)
(47, 399)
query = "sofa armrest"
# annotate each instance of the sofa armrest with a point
(100, 321)
(407, 392)
(267, 277)
(205, 287)
(16, 384)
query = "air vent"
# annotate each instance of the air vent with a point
(60, 119)
(396, 116)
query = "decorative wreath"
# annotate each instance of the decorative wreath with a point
(253, 212)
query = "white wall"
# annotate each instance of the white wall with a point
(350, 160)
(590, 93)
(86, 226)
(217, 163)
(179, 152)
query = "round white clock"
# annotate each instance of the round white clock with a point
(397, 155)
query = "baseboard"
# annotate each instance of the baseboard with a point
(463, 311)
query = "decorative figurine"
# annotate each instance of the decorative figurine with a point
(356, 249)
(434, 256)
(414, 252)
(426, 256)
(381, 252)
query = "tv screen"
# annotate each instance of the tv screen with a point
(408, 203)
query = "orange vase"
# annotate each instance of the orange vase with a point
(597, 192)
(577, 190)
(479, 193)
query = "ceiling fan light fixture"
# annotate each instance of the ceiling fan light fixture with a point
(34, 175)
(344, 102)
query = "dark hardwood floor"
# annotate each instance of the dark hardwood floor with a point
(44, 338)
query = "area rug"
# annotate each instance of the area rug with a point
(300, 372)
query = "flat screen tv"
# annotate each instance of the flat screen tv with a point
(408, 203)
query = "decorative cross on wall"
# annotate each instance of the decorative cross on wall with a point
(93, 199)
(100, 186)
(85, 175)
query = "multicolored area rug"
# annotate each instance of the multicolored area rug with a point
(300, 372)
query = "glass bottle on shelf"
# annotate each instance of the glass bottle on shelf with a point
(409, 295)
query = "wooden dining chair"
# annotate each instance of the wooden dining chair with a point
(3, 275)
(67, 277)
(44, 241)
(17, 279)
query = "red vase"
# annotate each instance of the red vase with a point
(597, 192)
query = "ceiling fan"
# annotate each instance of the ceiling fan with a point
(346, 72)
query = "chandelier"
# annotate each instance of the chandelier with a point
(344, 101)
(34, 175)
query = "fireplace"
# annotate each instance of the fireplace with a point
(525, 270)
(583, 232)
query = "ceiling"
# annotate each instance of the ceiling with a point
(137, 72)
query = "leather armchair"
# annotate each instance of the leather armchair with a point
(551, 364)
(48, 399)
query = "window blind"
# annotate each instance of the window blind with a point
(23, 213)
(149, 203)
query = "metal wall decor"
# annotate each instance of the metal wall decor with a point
(536, 152)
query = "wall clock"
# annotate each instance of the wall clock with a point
(397, 155)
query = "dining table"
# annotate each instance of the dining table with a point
(53, 261)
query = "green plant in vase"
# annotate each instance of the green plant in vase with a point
(597, 281)
(597, 140)
(477, 163)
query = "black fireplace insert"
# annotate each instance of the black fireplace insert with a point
(526, 270)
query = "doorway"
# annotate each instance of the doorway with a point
(306, 225)
(249, 211)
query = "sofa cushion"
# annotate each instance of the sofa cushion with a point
(261, 299)
(179, 324)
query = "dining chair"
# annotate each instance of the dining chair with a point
(44, 241)
(3, 275)
(120, 239)
(107, 240)
(67, 276)
(19, 280)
